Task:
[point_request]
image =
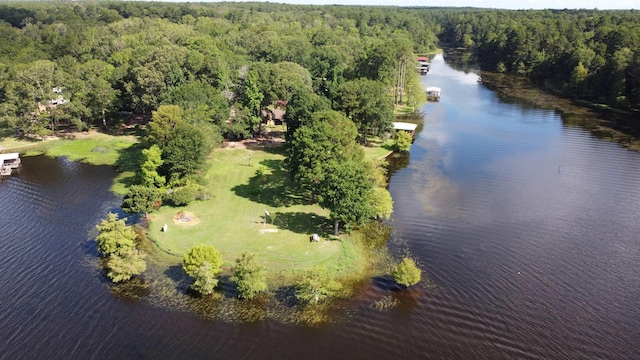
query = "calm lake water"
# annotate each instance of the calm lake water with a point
(528, 230)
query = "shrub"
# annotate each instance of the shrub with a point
(249, 276)
(125, 265)
(407, 273)
(402, 141)
(316, 285)
(115, 236)
(183, 196)
(203, 263)
(375, 234)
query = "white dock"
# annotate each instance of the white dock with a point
(8, 163)
(433, 93)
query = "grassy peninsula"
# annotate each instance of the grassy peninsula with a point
(245, 183)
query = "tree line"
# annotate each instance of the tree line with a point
(84, 64)
(590, 55)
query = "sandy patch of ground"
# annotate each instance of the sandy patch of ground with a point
(185, 218)
(264, 231)
(256, 143)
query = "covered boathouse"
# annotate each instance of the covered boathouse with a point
(8, 163)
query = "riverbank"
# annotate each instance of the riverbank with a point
(246, 179)
(255, 207)
(602, 121)
(92, 147)
(621, 127)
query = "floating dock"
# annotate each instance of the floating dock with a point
(9, 163)
(433, 93)
(423, 65)
(403, 126)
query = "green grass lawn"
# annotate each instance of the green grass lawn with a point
(377, 148)
(122, 151)
(97, 148)
(233, 220)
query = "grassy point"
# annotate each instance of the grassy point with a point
(234, 220)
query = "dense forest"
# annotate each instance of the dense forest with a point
(221, 63)
(583, 54)
(104, 58)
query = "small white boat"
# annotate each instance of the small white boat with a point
(433, 93)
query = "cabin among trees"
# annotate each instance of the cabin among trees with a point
(272, 116)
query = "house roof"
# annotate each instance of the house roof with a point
(422, 58)
(9, 156)
(404, 126)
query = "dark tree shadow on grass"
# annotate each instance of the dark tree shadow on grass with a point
(274, 189)
(130, 160)
(304, 223)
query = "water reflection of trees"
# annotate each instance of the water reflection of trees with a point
(602, 122)
(397, 161)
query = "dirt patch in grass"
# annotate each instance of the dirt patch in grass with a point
(255, 144)
(185, 218)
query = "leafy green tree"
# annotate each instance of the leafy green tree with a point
(114, 236)
(162, 125)
(367, 104)
(152, 160)
(282, 80)
(29, 92)
(382, 202)
(97, 94)
(252, 99)
(346, 191)
(328, 138)
(201, 102)
(140, 199)
(316, 285)
(407, 273)
(249, 276)
(301, 107)
(205, 279)
(126, 264)
(156, 70)
(379, 62)
(328, 63)
(203, 263)
(402, 141)
(415, 92)
(378, 172)
(185, 153)
(578, 78)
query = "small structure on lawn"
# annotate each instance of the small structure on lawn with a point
(433, 93)
(404, 126)
(315, 238)
(274, 116)
(164, 228)
(8, 163)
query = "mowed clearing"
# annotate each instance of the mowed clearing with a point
(244, 184)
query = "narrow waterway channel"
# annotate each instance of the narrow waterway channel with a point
(528, 230)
